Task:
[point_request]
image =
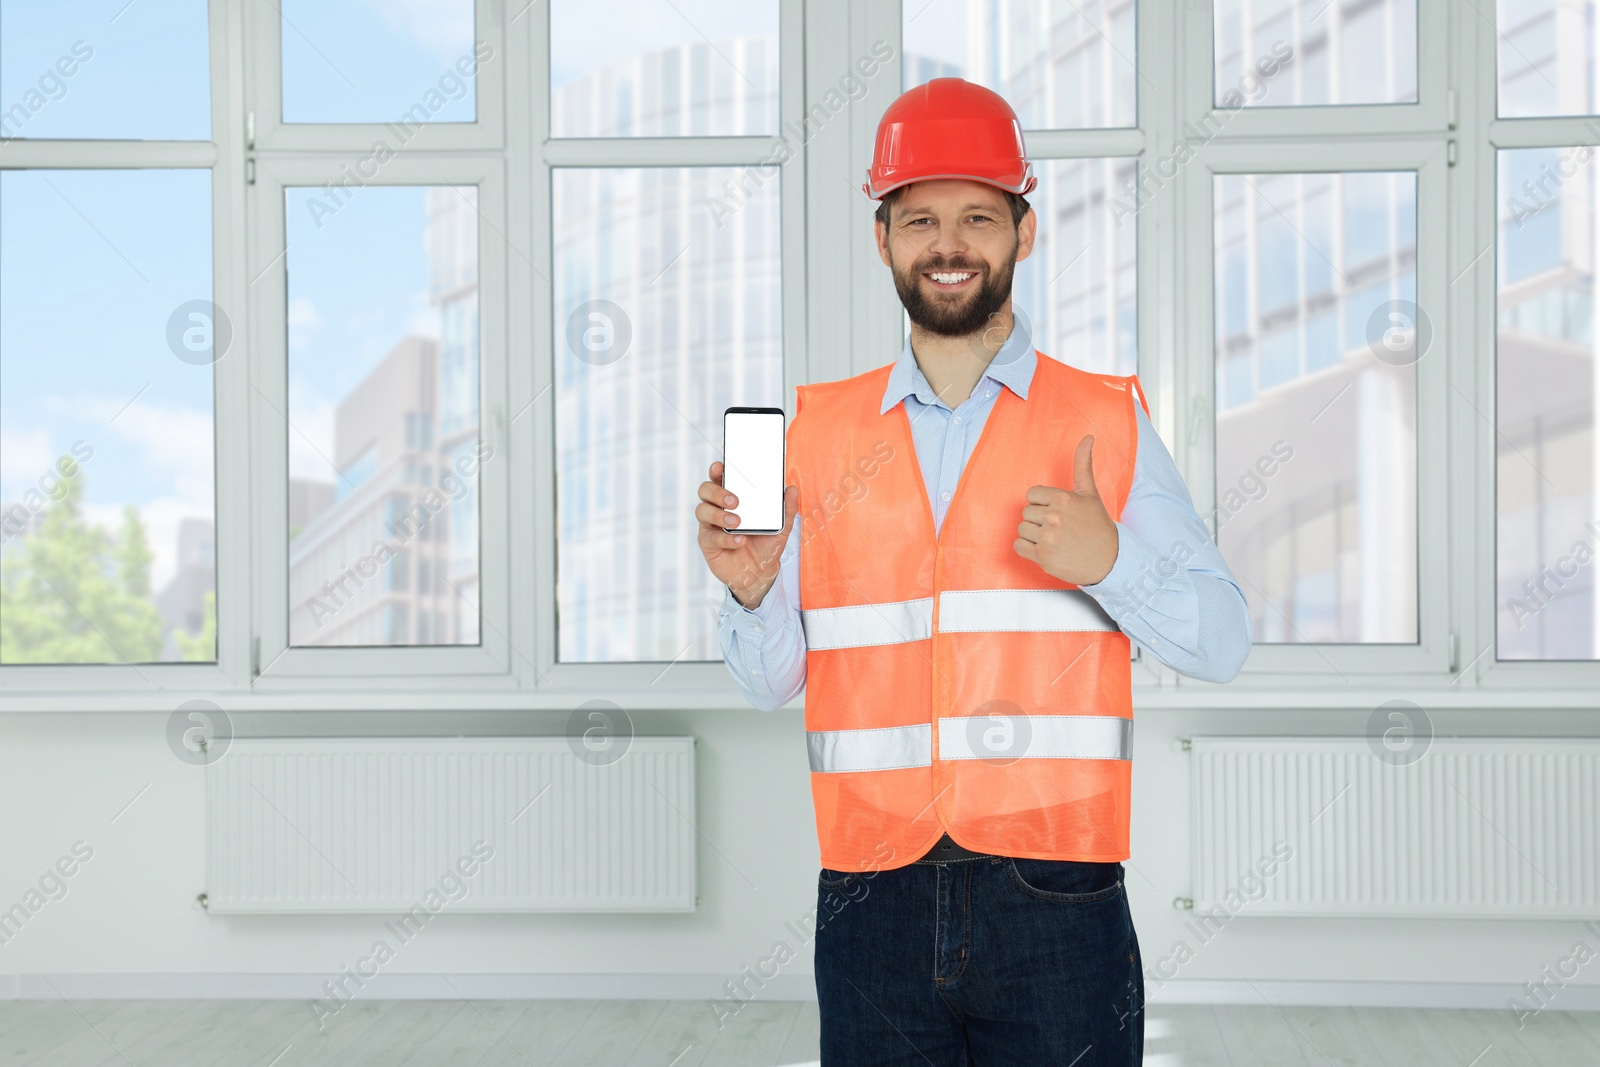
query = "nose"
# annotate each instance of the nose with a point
(949, 254)
(947, 243)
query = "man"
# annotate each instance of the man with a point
(961, 626)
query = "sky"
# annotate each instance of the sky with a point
(94, 263)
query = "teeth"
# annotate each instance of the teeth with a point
(950, 279)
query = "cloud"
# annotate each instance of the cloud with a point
(25, 457)
(177, 445)
(304, 320)
(310, 433)
(423, 319)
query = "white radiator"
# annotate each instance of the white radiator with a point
(449, 824)
(1481, 827)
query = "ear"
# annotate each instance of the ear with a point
(1027, 227)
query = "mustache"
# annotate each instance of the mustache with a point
(951, 264)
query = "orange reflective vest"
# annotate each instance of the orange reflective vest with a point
(951, 684)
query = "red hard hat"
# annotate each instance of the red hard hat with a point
(949, 128)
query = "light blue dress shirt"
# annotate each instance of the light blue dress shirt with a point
(1169, 589)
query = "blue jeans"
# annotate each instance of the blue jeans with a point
(983, 961)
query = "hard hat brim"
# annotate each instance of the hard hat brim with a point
(1021, 188)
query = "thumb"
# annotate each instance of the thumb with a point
(1083, 468)
(791, 505)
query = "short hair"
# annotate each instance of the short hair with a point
(1018, 202)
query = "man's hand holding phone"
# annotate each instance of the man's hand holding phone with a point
(746, 563)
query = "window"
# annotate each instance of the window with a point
(1547, 530)
(650, 348)
(383, 354)
(1316, 455)
(109, 340)
(382, 311)
(666, 285)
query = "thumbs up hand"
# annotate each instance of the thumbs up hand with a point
(1068, 532)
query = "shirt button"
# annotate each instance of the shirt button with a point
(958, 420)
(755, 672)
(758, 628)
(945, 496)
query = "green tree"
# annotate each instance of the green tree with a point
(202, 647)
(69, 594)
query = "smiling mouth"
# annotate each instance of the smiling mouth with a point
(950, 280)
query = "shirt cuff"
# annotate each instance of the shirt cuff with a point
(1134, 556)
(745, 620)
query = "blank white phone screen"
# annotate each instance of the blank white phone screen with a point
(752, 467)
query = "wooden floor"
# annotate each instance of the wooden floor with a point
(654, 1033)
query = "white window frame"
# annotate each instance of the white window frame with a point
(457, 154)
(278, 665)
(643, 683)
(840, 317)
(1411, 137)
(1535, 683)
(114, 686)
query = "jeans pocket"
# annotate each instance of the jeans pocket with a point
(1066, 881)
(831, 879)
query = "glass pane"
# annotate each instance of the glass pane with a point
(1317, 340)
(1545, 50)
(105, 69)
(1548, 525)
(1059, 66)
(398, 64)
(383, 416)
(666, 313)
(1278, 53)
(666, 68)
(107, 340)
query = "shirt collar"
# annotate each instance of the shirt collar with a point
(1012, 367)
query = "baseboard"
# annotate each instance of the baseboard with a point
(716, 988)
(710, 987)
(1311, 994)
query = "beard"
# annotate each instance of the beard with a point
(955, 315)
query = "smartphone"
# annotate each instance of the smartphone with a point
(752, 468)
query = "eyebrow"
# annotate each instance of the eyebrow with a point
(964, 207)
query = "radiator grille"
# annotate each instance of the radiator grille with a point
(372, 825)
(1477, 827)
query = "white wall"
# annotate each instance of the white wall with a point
(131, 909)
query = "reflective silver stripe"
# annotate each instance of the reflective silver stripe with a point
(868, 624)
(1036, 737)
(973, 737)
(870, 750)
(978, 610)
(960, 611)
